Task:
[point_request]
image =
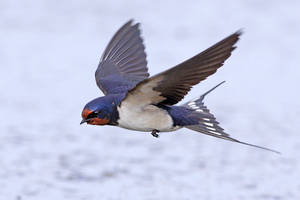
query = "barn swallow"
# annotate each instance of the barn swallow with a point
(135, 101)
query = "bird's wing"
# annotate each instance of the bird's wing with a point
(123, 63)
(170, 86)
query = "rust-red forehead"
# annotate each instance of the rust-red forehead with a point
(85, 113)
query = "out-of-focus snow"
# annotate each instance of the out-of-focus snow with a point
(49, 51)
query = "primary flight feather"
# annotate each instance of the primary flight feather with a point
(134, 101)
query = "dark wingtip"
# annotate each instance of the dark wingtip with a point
(130, 21)
(127, 24)
(239, 32)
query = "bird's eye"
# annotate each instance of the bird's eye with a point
(93, 115)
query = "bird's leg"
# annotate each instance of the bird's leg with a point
(154, 133)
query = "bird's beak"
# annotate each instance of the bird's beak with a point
(83, 121)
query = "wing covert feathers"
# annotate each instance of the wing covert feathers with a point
(170, 86)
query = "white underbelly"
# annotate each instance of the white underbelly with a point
(147, 118)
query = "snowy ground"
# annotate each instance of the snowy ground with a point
(49, 51)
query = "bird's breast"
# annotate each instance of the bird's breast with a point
(146, 118)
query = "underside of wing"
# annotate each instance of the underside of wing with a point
(123, 63)
(170, 86)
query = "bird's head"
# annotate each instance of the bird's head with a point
(97, 112)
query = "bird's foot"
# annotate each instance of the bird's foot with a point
(154, 133)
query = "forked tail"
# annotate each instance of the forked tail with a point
(207, 122)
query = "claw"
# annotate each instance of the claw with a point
(154, 133)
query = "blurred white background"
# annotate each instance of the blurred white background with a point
(49, 51)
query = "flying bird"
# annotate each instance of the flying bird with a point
(135, 101)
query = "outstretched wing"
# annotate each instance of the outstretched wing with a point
(123, 63)
(170, 86)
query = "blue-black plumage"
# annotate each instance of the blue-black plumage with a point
(134, 101)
